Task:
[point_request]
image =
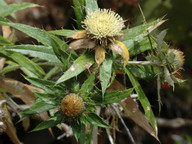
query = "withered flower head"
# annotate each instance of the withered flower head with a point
(103, 24)
(102, 28)
(178, 58)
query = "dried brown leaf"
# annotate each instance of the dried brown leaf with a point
(2, 62)
(22, 91)
(82, 43)
(79, 35)
(121, 49)
(26, 123)
(10, 128)
(132, 111)
(6, 31)
(18, 89)
(99, 55)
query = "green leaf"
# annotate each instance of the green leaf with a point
(143, 99)
(63, 32)
(111, 97)
(79, 11)
(6, 10)
(51, 99)
(48, 86)
(82, 138)
(76, 128)
(4, 41)
(135, 38)
(82, 63)
(96, 120)
(160, 38)
(38, 107)
(58, 117)
(105, 73)
(143, 72)
(37, 51)
(87, 86)
(27, 63)
(91, 6)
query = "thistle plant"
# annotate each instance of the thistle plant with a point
(81, 75)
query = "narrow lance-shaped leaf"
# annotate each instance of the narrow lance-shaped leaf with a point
(27, 63)
(143, 99)
(87, 86)
(96, 120)
(63, 32)
(135, 38)
(160, 38)
(4, 41)
(105, 73)
(80, 64)
(11, 8)
(56, 119)
(111, 97)
(37, 51)
(79, 11)
(38, 107)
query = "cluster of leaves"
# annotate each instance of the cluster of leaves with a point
(77, 76)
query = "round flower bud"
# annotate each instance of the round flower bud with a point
(72, 105)
(103, 24)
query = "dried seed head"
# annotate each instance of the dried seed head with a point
(72, 105)
(178, 58)
(103, 24)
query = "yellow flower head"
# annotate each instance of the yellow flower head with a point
(103, 24)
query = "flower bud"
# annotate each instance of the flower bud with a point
(72, 105)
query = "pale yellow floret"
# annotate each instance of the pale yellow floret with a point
(103, 23)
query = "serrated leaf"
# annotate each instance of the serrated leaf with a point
(96, 120)
(79, 11)
(143, 99)
(11, 8)
(82, 63)
(51, 99)
(37, 51)
(91, 6)
(87, 86)
(38, 107)
(168, 77)
(46, 85)
(27, 63)
(134, 38)
(56, 119)
(105, 73)
(112, 97)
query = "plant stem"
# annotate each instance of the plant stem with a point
(122, 121)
